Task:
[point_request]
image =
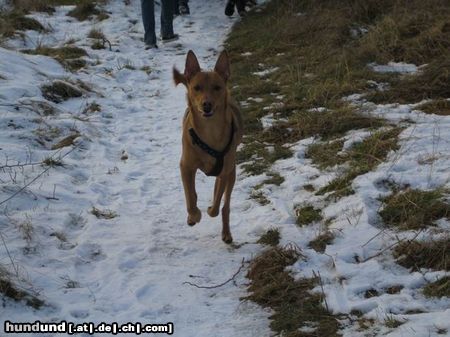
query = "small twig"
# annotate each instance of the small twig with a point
(8, 166)
(105, 40)
(219, 285)
(9, 255)
(34, 179)
(391, 246)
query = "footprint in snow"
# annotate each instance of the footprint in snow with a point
(79, 313)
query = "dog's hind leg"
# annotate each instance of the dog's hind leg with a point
(188, 177)
(226, 233)
(219, 188)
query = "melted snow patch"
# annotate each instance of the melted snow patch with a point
(394, 67)
(265, 72)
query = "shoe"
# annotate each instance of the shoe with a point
(229, 9)
(151, 46)
(170, 38)
(184, 9)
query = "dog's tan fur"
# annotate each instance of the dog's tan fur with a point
(209, 87)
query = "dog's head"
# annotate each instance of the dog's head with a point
(207, 90)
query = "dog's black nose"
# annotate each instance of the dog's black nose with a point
(207, 107)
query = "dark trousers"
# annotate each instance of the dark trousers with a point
(148, 18)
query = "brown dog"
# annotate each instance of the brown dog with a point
(212, 130)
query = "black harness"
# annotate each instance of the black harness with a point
(218, 155)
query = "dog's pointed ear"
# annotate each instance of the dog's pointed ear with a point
(178, 77)
(192, 66)
(223, 66)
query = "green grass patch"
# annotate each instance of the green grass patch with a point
(293, 304)
(428, 254)
(270, 238)
(325, 154)
(307, 215)
(439, 288)
(361, 158)
(414, 209)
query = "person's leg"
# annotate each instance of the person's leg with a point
(148, 18)
(184, 7)
(176, 9)
(229, 8)
(167, 10)
(240, 5)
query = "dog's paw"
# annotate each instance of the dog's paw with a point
(213, 212)
(227, 238)
(194, 217)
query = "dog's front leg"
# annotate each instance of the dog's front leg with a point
(188, 177)
(219, 187)
(229, 184)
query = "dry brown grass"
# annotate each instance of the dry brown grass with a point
(86, 9)
(438, 107)
(429, 254)
(293, 304)
(11, 22)
(59, 91)
(319, 244)
(10, 290)
(414, 209)
(439, 288)
(68, 56)
(271, 237)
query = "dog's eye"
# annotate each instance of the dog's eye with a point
(217, 87)
(197, 88)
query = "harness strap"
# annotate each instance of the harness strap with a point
(218, 155)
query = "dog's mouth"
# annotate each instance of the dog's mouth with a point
(208, 114)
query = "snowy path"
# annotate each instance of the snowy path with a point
(132, 267)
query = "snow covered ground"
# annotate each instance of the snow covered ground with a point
(133, 267)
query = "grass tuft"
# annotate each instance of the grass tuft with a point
(8, 289)
(60, 91)
(438, 107)
(414, 209)
(361, 158)
(319, 244)
(308, 214)
(293, 304)
(68, 56)
(430, 254)
(15, 20)
(325, 154)
(270, 238)
(439, 288)
(85, 9)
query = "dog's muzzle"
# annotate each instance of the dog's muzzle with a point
(207, 109)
